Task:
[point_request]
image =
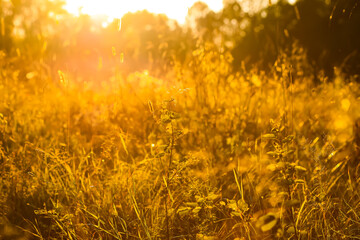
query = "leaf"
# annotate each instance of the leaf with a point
(299, 181)
(191, 204)
(243, 206)
(199, 199)
(269, 226)
(232, 205)
(314, 142)
(283, 194)
(236, 214)
(300, 168)
(196, 210)
(237, 225)
(151, 108)
(271, 167)
(123, 143)
(336, 167)
(269, 136)
(289, 152)
(272, 153)
(290, 230)
(267, 222)
(213, 197)
(183, 210)
(165, 118)
(68, 169)
(288, 139)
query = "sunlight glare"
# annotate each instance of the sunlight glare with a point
(116, 9)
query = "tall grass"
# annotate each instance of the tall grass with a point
(205, 154)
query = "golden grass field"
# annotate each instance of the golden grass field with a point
(202, 153)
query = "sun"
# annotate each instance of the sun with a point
(174, 9)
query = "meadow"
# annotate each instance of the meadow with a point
(201, 150)
(211, 155)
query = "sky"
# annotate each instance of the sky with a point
(175, 9)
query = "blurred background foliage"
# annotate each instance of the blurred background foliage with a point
(326, 31)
